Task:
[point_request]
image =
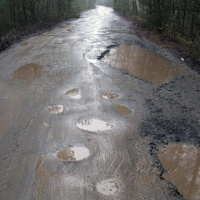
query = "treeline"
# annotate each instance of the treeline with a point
(108, 3)
(17, 14)
(179, 19)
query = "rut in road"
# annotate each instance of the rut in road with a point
(72, 103)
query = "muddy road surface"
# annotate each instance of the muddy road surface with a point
(91, 111)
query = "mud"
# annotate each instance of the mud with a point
(73, 154)
(122, 110)
(28, 71)
(74, 93)
(108, 187)
(182, 164)
(94, 125)
(144, 64)
(123, 160)
(110, 96)
(56, 109)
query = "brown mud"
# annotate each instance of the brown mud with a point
(28, 71)
(182, 163)
(144, 64)
(36, 144)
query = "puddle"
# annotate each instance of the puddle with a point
(94, 125)
(108, 187)
(56, 109)
(110, 96)
(28, 71)
(73, 154)
(144, 64)
(182, 164)
(122, 110)
(74, 93)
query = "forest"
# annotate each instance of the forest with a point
(20, 17)
(15, 14)
(176, 19)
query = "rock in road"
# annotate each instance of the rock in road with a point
(78, 123)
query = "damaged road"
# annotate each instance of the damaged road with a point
(89, 110)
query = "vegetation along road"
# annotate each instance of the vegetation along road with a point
(90, 110)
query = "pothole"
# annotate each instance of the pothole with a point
(122, 110)
(110, 96)
(56, 109)
(109, 187)
(94, 125)
(74, 93)
(144, 64)
(182, 164)
(28, 71)
(73, 154)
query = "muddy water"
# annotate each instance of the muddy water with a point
(110, 96)
(74, 93)
(56, 109)
(122, 110)
(94, 125)
(108, 187)
(28, 71)
(182, 164)
(73, 154)
(144, 64)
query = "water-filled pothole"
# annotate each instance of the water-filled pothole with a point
(122, 110)
(74, 93)
(28, 71)
(56, 109)
(73, 154)
(144, 64)
(109, 187)
(110, 96)
(182, 165)
(94, 125)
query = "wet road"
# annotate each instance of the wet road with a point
(69, 122)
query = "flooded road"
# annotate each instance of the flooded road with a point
(83, 104)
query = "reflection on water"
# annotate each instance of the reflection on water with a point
(110, 96)
(56, 109)
(73, 154)
(74, 93)
(144, 64)
(94, 125)
(182, 164)
(28, 71)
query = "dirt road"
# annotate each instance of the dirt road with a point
(91, 111)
